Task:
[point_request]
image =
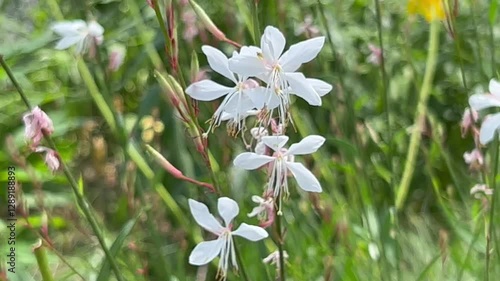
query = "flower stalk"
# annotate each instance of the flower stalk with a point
(42, 261)
(416, 135)
(489, 221)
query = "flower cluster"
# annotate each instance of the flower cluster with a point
(270, 65)
(489, 129)
(263, 80)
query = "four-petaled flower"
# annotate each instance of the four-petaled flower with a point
(482, 101)
(278, 70)
(79, 33)
(206, 251)
(282, 161)
(238, 98)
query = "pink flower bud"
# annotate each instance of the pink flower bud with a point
(469, 118)
(51, 158)
(116, 58)
(375, 56)
(37, 123)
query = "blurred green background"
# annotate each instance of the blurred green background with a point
(351, 231)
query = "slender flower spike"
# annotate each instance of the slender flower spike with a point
(278, 70)
(238, 98)
(223, 246)
(429, 9)
(482, 101)
(36, 124)
(79, 33)
(282, 163)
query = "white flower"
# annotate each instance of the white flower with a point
(258, 132)
(238, 98)
(480, 188)
(282, 162)
(274, 258)
(78, 33)
(474, 158)
(265, 210)
(206, 251)
(482, 101)
(278, 70)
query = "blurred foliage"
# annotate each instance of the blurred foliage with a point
(349, 232)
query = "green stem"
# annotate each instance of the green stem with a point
(42, 261)
(281, 240)
(256, 24)
(416, 135)
(490, 224)
(74, 185)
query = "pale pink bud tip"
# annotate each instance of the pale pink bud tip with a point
(36, 124)
(474, 159)
(375, 56)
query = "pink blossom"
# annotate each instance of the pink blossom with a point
(307, 27)
(37, 123)
(190, 29)
(469, 118)
(375, 56)
(51, 158)
(116, 58)
(474, 159)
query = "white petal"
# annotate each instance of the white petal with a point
(272, 43)
(259, 96)
(228, 209)
(257, 199)
(95, 29)
(239, 103)
(206, 251)
(300, 87)
(68, 41)
(251, 51)
(275, 142)
(247, 65)
(482, 101)
(494, 88)
(251, 161)
(251, 232)
(255, 211)
(69, 28)
(307, 145)
(300, 53)
(203, 217)
(218, 62)
(490, 125)
(306, 180)
(207, 90)
(321, 87)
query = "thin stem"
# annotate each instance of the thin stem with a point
(384, 84)
(256, 24)
(82, 203)
(416, 135)
(281, 239)
(490, 224)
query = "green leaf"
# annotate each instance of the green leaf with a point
(493, 12)
(105, 273)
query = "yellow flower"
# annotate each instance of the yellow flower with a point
(430, 9)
